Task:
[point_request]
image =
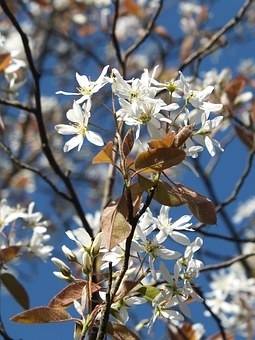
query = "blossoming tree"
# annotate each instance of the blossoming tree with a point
(93, 177)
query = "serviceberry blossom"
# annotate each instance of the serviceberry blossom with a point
(204, 132)
(8, 214)
(36, 244)
(87, 87)
(79, 119)
(232, 298)
(153, 249)
(167, 228)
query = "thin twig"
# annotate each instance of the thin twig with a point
(227, 263)
(104, 321)
(17, 105)
(240, 183)
(147, 33)
(40, 122)
(226, 238)
(204, 50)
(26, 166)
(115, 40)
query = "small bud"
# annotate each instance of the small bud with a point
(96, 244)
(60, 276)
(87, 263)
(65, 270)
(69, 254)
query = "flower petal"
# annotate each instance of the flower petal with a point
(64, 129)
(94, 138)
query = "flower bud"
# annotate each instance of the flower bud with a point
(69, 254)
(96, 244)
(87, 263)
(65, 270)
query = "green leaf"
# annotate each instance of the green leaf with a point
(16, 289)
(149, 292)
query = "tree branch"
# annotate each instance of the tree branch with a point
(40, 122)
(204, 50)
(227, 263)
(26, 166)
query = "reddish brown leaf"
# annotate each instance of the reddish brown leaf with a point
(133, 8)
(234, 87)
(165, 142)
(164, 193)
(16, 289)
(8, 254)
(104, 155)
(70, 293)
(42, 315)
(121, 332)
(5, 60)
(115, 227)
(159, 159)
(128, 142)
(218, 336)
(201, 207)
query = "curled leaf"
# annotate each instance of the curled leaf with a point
(70, 293)
(128, 142)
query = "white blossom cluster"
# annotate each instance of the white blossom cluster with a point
(15, 71)
(147, 266)
(232, 299)
(24, 228)
(141, 105)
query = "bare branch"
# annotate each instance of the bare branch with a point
(226, 264)
(39, 117)
(23, 165)
(205, 50)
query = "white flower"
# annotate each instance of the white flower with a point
(163, 309)
(186, 266)
(147, 113)
(198, 98)
(87, 87)
(134, 90)
(79, 127)
(166, 228)
(36, 244)
(8, 214)
(203, 135)
(33, 219)
(153, 249)
(80, 237)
